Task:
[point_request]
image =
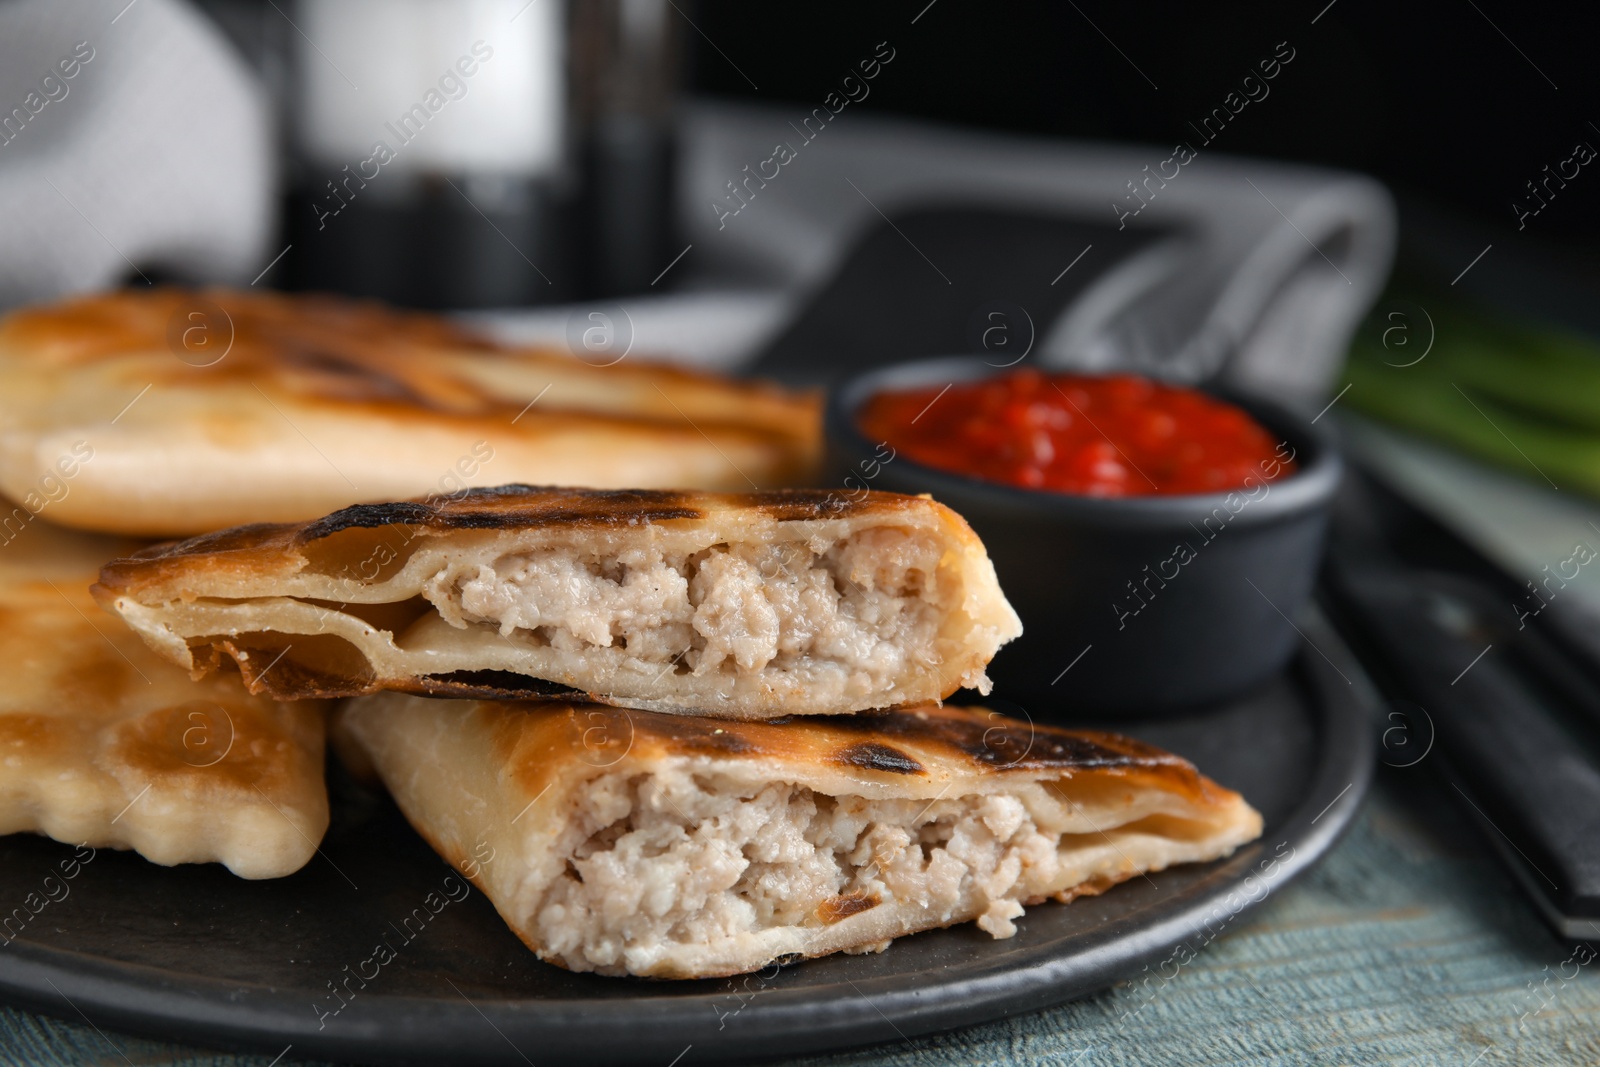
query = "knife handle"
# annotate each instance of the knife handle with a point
(1520, 763)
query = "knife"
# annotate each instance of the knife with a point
(1508, 712)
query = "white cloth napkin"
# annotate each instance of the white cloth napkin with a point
(133, 140)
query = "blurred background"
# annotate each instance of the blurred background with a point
(1244, 183)
(1456, 108)
(713, 165)
(580, 154)
(697, 173)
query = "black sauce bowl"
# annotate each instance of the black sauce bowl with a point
(1117, 617)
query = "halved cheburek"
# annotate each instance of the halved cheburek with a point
(104, 743)
(179, 411)
(672, 847)
(745, 606)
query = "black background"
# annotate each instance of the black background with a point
(1431, 97)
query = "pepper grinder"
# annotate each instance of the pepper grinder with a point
(431, 163)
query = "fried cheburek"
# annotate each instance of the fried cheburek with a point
(207, 409)
(746, 606)
(628, 842)
(105, 743)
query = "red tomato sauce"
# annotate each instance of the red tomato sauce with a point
(1118, 435)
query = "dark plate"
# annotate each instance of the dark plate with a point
(195, 954)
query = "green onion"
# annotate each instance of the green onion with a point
(1524, 397)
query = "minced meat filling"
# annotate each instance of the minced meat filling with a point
(672, 860)
(865, 603)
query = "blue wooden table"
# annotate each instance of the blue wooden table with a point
(1408, 945)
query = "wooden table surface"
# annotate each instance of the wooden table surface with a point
(1408, 945)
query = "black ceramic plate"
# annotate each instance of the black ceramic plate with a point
(193, 953)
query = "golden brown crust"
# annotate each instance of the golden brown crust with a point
(928, 744)
(360, 353)
(159, 571)
(320, 401)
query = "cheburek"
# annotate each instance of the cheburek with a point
(105, 743)
(750, 605)
(201, 410)
(671, 847)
